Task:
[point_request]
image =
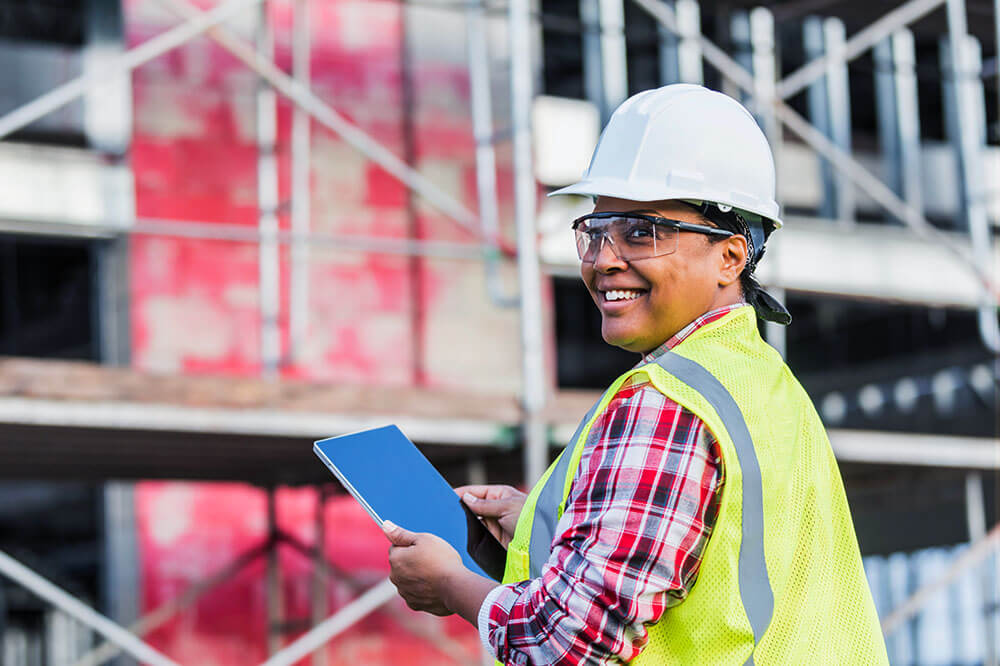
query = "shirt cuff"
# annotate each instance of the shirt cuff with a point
(483, 619)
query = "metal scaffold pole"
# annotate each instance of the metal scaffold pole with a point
(73, 607)
(267, 204)
(298, 297)
(529, 272)
(967, 130)
(481, 109)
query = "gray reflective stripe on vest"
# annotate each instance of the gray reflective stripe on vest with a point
(543, 526)
(755, 586)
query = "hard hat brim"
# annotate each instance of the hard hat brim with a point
(604, 187)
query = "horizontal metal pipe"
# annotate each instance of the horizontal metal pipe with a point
(332, 120)
(223, 231)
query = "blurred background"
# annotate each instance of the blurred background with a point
(230, 228)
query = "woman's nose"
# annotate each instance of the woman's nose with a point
(607, 258)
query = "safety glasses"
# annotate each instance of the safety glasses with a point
(633, 236)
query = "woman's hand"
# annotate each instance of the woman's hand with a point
(499, 506)
(428, 573)
(421, 566)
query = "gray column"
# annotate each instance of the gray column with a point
(680, 54)
(898, 115)
(830, 112)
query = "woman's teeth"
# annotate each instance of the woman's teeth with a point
(621, 295)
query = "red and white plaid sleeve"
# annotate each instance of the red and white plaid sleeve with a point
(629, 545)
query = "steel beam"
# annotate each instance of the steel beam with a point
(140, 55)
(75, 608)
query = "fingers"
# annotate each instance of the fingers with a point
(477, 491)
(397, 535)
(488, 508)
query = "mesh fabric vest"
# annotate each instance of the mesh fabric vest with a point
(781, 580)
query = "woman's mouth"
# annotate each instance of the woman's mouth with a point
(620, 295)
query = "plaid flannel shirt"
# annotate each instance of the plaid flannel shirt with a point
(629, 545)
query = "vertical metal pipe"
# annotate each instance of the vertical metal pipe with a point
(529, 272)
(267, 204)
(753, 36)
(680, 54)
(614, 64)
(975, 514)
(301, 198)
(898, 115)
(593, 86)
(319, 581)
(275, 600)
(481, 109)
(829, 107)
(120, 570)
(996, 56)
(415, 263)
(967, 131)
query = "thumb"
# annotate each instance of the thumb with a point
(485, 507)
(397, 535)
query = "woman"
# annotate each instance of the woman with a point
(697, 516)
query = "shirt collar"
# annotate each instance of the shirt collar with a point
(682, 334)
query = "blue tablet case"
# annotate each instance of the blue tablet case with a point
(393, 481)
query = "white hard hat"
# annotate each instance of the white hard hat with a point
(683, 141)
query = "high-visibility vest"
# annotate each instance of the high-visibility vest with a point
(781, 579)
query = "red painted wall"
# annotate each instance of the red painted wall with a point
(188, 531)
(194, 308)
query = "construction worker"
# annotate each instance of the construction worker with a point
(698, 515)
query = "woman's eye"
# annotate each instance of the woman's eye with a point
(640, 232)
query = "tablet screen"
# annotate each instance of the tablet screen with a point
(393, 481)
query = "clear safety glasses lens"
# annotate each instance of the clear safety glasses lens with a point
(630, 238)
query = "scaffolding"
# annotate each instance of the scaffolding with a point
(751, 73)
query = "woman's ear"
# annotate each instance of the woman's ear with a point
(732, 259)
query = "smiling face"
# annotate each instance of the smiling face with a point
(645, 302)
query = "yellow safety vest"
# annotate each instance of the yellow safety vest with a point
(781, 580)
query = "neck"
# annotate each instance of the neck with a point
(729, 295)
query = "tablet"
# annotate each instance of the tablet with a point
(393, 481)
